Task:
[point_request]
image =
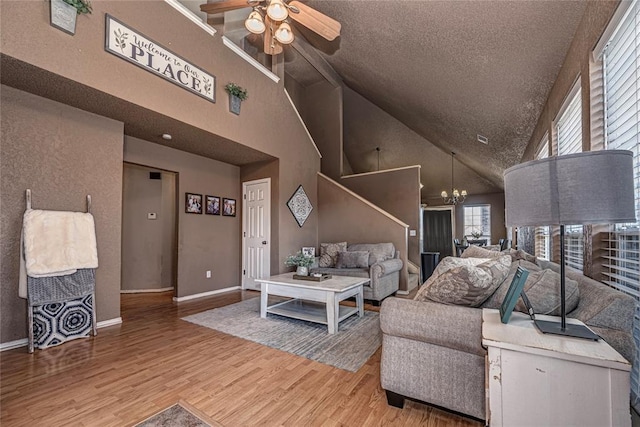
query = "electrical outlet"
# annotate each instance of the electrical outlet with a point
(151, 215)
(208, 274)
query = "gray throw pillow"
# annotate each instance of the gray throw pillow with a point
(467, 285)
(329, 253)
(475, 251)
(353, 259)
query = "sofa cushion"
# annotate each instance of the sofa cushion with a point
(542, 288)
(475, 251)
(378, 252)
(518, 254)
(467, 285)
(353, 259)
(329, 253)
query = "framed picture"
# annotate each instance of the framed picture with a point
(193, 203)
(228, 207)
(510, 300)
(309, 251)
(212, 205)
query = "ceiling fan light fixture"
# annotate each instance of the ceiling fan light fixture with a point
(277, 10)
(284, 34)
(254, 23)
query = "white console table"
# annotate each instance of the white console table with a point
(537, 379)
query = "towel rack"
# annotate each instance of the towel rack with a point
(28, 194)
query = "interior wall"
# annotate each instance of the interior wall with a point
(345, 217)
(496, 200)
(148, 245)
(205, 242)
(397, 192)
(28, 37)
(61, 154)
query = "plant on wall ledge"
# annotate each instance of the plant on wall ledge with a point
(82, 6)
(236, 96)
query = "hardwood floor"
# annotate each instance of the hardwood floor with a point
(154, 359)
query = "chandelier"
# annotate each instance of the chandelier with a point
(456, 196)
(272, 18)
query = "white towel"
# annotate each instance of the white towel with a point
(57, 243)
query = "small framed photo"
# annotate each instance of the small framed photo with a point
(515, 289)
(193, 203)
(228, 207)
(309, 251)
(212, 205)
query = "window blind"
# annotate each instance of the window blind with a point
(543, 234)
(569, 139)
(621, 62)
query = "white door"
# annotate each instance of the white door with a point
(256, 232)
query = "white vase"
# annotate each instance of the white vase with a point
(302, 271)
(234, 104)
(63, 16)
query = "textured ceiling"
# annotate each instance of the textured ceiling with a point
(450, 70)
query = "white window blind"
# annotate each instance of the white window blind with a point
(621, 68)
(569, 136)
(543, 234)
(477, 219)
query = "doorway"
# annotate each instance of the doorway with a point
(149, 229)
(438, 225)
(256, 232)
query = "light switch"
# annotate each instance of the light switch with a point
(412, 233)
(151, 215)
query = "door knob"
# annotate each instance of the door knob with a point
(264, 242)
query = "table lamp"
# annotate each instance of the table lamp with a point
(586, 188)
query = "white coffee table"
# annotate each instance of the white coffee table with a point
(317, 302)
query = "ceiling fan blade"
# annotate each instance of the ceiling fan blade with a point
(271, 45)
(224, 6)
(318, 22)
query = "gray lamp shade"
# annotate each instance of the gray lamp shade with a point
(586, 188)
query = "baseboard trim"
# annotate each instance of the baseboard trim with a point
(206, 294)
(144, 291)
(13, 344)
(109, 322)
(402, 292)
(24, 341)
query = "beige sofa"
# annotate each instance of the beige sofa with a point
(432, 352)
(384, 273)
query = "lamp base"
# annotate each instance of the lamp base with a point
(577, 331)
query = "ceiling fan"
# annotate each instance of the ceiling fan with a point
(271, 18)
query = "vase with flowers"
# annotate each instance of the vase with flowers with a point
(301, 261)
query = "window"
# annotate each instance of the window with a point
(543, 234)
(621, 62)
(569, 140)
(477, 219)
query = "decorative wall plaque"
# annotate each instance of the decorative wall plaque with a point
(300, 206)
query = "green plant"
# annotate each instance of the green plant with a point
(476, 234)
(235, 90)
(299, 260)
(82, 6)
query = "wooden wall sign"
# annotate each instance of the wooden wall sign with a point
(134, 47)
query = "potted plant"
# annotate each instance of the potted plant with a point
(301, 261)
(64, 13)
(476, 234)
(236, 96)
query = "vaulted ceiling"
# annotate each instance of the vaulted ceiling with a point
(449, 70)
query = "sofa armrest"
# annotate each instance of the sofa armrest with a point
(455, 327)
(383, 268)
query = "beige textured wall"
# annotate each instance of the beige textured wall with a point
(344, 217)
(205, 242)
(61, 154)
(148, 246)
(496, 200)
(397, 192)
(28, 37)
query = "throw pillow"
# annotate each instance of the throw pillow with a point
(329, 253)
(474, 251)
(543, 290)
(353, 259)
(378, 252)
(467, 285)
(518, 254)
(447, 264)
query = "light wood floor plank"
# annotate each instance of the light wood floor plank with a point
(154, 359)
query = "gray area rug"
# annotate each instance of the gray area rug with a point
(357, 338)
(175, 416)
